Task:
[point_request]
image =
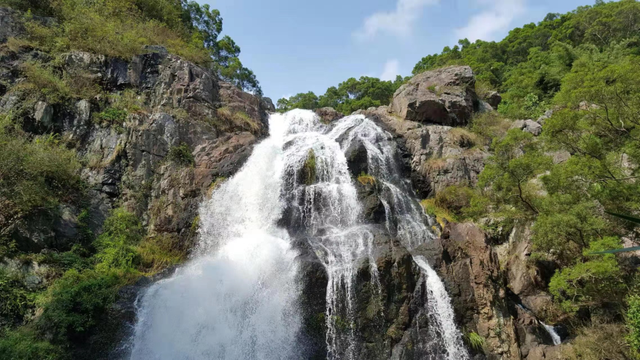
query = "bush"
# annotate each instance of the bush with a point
(476, 341)
(590, 283)
(116, 245)
(76, 303)
(23, 344)
(490, 126)
(181, 155)
(15, 298)
(112, 116)
(42, 80)
(161, 251)
(441, 214)
(455, 199)
(633, 323)
(36, 174)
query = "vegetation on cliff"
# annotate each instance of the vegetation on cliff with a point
(122, 28)
(584, 67)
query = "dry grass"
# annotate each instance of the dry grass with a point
(365, 179)
(233, 119)
(464, 138)
(597, 342)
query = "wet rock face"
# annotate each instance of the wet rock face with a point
(438, 156)
(444, 96)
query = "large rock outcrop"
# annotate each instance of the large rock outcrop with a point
(444, 96)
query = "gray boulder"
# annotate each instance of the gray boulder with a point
(529, 126)
(444, 96)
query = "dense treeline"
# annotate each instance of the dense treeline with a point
(122, 27)
(348, 97)
(585, 66)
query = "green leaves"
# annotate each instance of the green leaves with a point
(348, 97)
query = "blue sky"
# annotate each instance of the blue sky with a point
(296, 45)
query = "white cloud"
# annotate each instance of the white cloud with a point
(391, 69)
(398, 22)
(496, 17)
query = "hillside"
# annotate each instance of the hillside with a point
(136, 147)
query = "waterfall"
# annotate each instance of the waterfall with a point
(557, 340)
(439, 308)
(237, 298)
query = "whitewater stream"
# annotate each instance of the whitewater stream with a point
(239, 295)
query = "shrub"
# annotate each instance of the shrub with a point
(455, 199)
(116, 245)
(633, 323)
(112, 116)
(161, 251)
(439, 213)
(181, 155)
(15, 298)
(36, 174)
(236, 119)
(590, 283)
(599, 341)
(42, 80)
(76, 303)
(23, 344)
(490, 126)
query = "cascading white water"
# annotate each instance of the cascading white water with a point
(237, 298)
(557, 340)
(439, 307)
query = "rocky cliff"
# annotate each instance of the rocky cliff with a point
(153, 134)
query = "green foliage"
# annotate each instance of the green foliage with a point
(24, 344)
(15, 298)
(76, 303)
(528, 65)
(42, 80)
(599, 341)
(36, 174)
(508, 175)
(121, 28)
(181, 155)
(633, 323)
(116, 245)
(442, 215)
(590, 283)
(161, 251)
(476, 341)
(455, 199)
(112, 116)
(309, 168)
(348, 97)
